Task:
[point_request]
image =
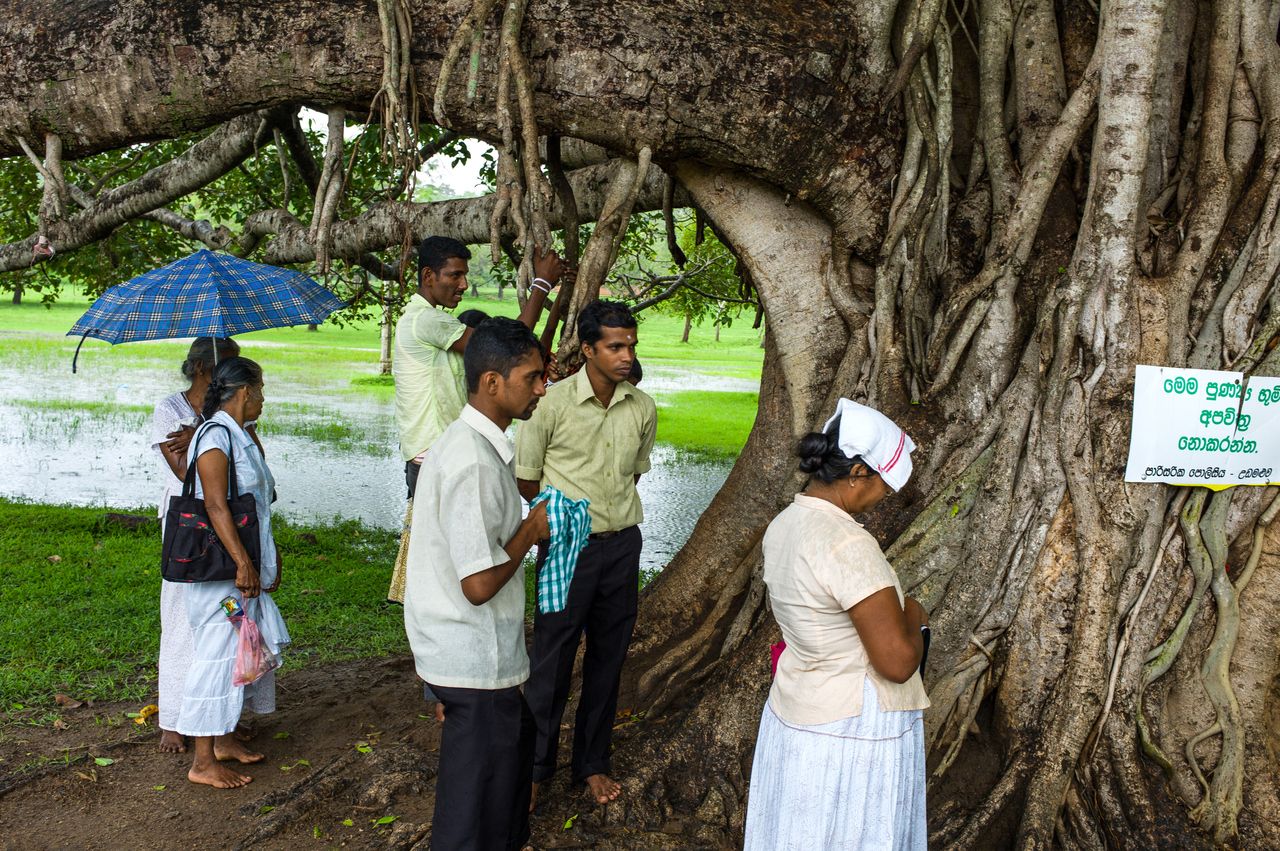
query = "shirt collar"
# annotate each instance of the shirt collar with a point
(490, 431)
(584, 391)
(816, 504)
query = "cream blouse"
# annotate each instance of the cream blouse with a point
(818, 563)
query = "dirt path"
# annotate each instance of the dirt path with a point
(349, 743)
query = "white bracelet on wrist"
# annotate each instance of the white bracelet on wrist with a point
(543, 281)
(534, 286)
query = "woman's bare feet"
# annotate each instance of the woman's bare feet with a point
(217, 775)
(171, 742)
(206, 770)
(245, 731)
(230, 747)
(603, 788)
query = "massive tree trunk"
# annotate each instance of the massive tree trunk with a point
(988, 276)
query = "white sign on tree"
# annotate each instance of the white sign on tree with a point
(1204, 427)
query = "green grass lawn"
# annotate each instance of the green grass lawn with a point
(81, 601)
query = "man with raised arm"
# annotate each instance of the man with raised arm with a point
(427, 364)
(591, 439)
(464, 597)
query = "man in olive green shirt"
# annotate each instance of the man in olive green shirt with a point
(591, 439)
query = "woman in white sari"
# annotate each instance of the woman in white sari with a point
(839, 760)
(211, 705)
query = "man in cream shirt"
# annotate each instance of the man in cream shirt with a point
(464, 596)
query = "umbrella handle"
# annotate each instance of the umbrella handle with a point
(77, 356)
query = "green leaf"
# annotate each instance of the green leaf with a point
(264, 809)
(346, 822)
(317, 832)
(568, 823)
(102, 760)
(280, 736)
(158, 788)
(955, 509)
(385, 820)
(363, 747)
(133, 715)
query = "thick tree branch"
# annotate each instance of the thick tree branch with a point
(201, 164)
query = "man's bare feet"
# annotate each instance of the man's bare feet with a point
(533, 798)
(245, 731)
(217, 775)
(229, 747)
(603, 788)
(171, 742)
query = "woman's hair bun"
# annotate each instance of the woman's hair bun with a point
(812, 451)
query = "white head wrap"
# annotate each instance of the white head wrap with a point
(870, 434)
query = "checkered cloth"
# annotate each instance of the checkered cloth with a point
(208, 294)
(569, 524)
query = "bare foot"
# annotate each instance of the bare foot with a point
(171, 742)
(218, 776)
(229, 747)
(603, 788)
(245, 731)
(533, 797)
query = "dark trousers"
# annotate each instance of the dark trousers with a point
(602, 603)
(483, 784)
(411, 471)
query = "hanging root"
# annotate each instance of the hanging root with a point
(1219, 809)
(1161, 659)
(55, 199)
(914, 249)
(669, 221)
(328, 192)
(396, 98)
(569, 206)
(602, 249)
(471, 30)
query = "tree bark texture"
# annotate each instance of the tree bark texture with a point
(1059, 193)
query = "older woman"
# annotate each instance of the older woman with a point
(211, 705)
(172, 425)
(839, 761)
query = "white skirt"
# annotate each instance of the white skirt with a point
(175, 651)
(211, 705)
(856, 783)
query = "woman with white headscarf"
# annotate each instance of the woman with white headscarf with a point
(839, 760)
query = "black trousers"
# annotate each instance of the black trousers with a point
(602, 603)
(483, 784)
(411, 471)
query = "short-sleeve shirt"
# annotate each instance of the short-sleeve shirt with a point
(818, 563)
(588, 451)
(466, 509)
(171, 413)
(431, 386)
(252, 476)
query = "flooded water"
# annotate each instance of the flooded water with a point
(92, 447)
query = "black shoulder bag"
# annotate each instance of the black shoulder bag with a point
(192, 551)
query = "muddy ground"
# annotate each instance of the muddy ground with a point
(348, 749)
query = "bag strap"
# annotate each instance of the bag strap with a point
(189, 483)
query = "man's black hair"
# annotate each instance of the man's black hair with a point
(599, 314)
(497, 345)
(435, 251)
(472, 317)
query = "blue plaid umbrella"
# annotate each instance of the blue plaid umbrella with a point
(205, 295)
